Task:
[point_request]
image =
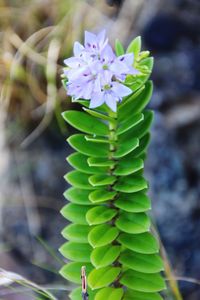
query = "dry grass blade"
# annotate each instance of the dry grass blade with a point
(7, 278)
(51, 72)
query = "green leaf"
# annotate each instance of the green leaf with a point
(101, 179)
(76, 251)
(100, 214)
(129, 122)
(145, 66)
(75, 213)
(130, 184)
(78, 196)
(135, 105)
(100, 162)
(85, 122)
(143, 144)
(76, 294)
(97, 139)
(101, 195)
(109, 293)
(102, 277)
(125, 147)
(79, 162)
(130, 295)
(79, 143)
(76, 233)
(104, 256)
(143, 282)
(119, 49)
(133, 223)
(102, 235)
(99, 115)
(72, 271)
(85, 103)
(146, 263)
(136, 202)
(141, 243)
(127, 167)
(78, 179)
(135, 47)
(131, 98)
(142, 128)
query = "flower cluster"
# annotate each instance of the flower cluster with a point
(95, 73)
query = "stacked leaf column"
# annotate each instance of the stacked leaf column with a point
(110, 228)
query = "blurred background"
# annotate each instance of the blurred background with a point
(35, 37)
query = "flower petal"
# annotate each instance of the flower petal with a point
(127, 59)
(90, 39)
(121, 90)
(78, 48)
(111, 101)
(96, 100)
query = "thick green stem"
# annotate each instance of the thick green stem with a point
(113, 147)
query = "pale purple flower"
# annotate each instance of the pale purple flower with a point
(95, 73)
(111, 92)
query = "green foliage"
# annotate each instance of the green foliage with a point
(108, 206)
(119, 49)
(109, 293)
(102, 235)
(102, 277)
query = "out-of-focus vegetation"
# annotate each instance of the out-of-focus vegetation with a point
(35, 38)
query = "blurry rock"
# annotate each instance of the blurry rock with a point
(114, 2)
(163, 32)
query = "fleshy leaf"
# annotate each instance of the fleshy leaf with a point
(102, 235)
(127, 167)
(130, 295)
(71, 271)
(76, 294)
(78, 180)
(134, 104)
(142, 128)
(79, 162)
(142, 243)
(76, 251)
(79, 143)
(104, 256)
(133, 223)
(119, 49)
(100, 162)
(102, 277)
(135, 202)
(147, 65)
(139, 151)
(94, 139)
(109, 293)
(126, 146)
(100, 214)
(143, 282)
(78, 196)
(101, 180)
(130, 184)
(101, 195)
(99, 115)
(85, 122)
(130, 122)
(146, 263)
(135, 47)
(75, 213)
(76, 233)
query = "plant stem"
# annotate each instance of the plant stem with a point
(113, 137)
